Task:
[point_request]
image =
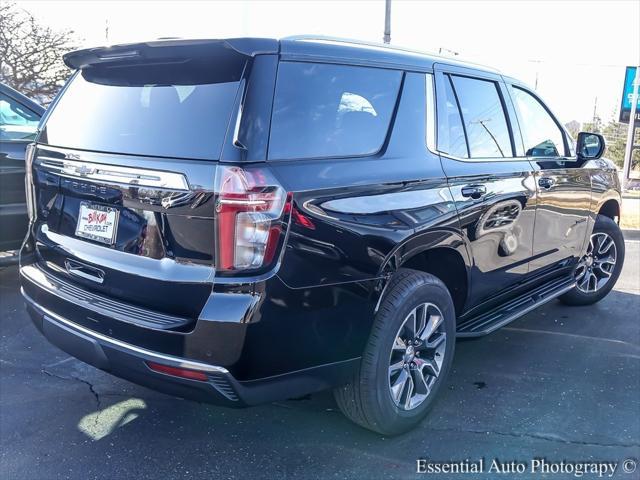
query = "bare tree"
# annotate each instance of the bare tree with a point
(31, 54)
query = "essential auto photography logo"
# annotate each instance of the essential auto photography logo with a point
(538, 465)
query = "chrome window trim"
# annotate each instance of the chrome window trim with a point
(431, 113)
(485, 159)
(508, 159)
(236, 129)
(114, 174)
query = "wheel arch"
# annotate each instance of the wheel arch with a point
(448, 265)
(610, 208)
(443, 254)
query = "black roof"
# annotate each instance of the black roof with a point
(357, 52)
(298, 47)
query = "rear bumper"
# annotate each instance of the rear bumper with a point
(129, 362)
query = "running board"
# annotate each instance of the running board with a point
(498, 317)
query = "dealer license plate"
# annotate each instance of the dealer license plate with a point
(97, 222)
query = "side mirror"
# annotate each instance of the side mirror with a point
(590, 145)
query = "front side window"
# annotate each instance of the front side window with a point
(484, 118)
(541, 135)
(323, 110)
(17, 123)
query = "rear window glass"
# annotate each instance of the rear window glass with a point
(323, 110)
(147, 115)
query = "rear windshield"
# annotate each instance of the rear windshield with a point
(323, 110)
(156, 113)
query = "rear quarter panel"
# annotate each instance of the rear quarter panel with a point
(351, 215)
(353, 222)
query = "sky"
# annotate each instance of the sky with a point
(574, 52)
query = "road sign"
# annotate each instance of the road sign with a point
(627, 95)
(632, 84)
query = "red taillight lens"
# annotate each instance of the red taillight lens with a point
(249, 209)
(177, 372)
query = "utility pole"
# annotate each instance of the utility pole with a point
(628, 151)
(387, 22)
(537, 62)
(447, 50)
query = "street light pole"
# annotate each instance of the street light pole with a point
(628, 151)
(387, 22)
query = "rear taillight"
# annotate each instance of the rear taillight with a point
(249, 210)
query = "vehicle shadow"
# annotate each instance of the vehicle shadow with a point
(528, 384)
(560, 382)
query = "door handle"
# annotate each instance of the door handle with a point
(546, 182)
(474, 191)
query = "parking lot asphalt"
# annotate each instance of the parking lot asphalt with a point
(562, 383)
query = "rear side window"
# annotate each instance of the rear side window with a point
(542, 136)
(483, 116)
(323, 110)
(162, 111)
(451, 138)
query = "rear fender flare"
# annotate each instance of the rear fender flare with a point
(417, 244)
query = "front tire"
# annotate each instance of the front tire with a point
(600, 267)
(407, 358)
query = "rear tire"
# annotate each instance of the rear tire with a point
(595, 275)
(415, 305)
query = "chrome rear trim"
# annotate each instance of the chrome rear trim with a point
(114, 174)
(164, 269)
(127, 347)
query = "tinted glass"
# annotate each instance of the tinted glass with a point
(323, 110)
(17, 123)
(541, 135)
(450, 131)
(483, 117)
(187, 119)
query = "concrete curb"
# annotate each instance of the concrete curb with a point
(631, 234)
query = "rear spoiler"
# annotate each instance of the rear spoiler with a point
(172, 50)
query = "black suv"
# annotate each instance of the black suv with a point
(246, 220)
(19, 118)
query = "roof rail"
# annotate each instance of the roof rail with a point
(349, 41)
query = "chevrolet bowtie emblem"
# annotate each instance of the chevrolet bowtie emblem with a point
(84, 170)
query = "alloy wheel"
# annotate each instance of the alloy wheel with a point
(417, 356)
(595, 268)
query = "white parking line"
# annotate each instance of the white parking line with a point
(573, 335)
